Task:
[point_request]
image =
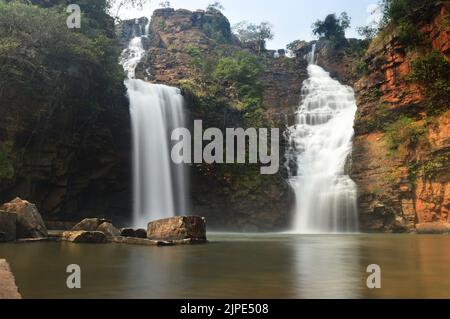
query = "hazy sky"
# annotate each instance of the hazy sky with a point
(291, 19)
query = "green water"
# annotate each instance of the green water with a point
(239, 266)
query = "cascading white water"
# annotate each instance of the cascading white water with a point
(320, 144)
(159, 185)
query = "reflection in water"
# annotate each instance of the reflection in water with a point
(239, 266)
(328, 268)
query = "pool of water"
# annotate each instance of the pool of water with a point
(279, 266)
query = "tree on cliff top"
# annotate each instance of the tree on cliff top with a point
(257, 34)
(332, 28)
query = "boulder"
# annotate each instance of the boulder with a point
(177, 228)
(89, 224)
(88, 237)
(109, 230)
(7, 226)
(133, 233)
(433, 228)
(29, 221)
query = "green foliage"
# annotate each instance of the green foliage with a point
(53, 65)
(254, 34)
(295, 45)
(432, 71)
(397, 11)
(361, 68)
(239, 73)
(367, 32)
(405, 131)
(332, 28)
(408, 34)
(431, 168)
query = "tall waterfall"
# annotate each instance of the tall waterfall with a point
(320, 144)
(159, 185)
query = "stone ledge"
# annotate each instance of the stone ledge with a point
(8, 288)
(433, 229)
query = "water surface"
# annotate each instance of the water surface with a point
(239, 266)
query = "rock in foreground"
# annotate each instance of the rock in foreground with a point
(89, 224)
(8, 288)
(178, 229)
(133, 233)
(7, 226)
(109, 230)
(433, 228)
(29, 221)
(85, 237)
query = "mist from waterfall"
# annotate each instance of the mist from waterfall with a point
(319, 147)
(159, 185)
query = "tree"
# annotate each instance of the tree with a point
(215, 6)
(332, 28)
(257, 34)
(117, 5)
(367, 32)
(165, 4)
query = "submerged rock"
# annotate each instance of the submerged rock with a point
(133, 233)
(29, 221)
(7, 226)
(433, 228)
(88, 237)
(178, 228)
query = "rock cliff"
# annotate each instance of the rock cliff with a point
(401, 149)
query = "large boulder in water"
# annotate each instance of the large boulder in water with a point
(89, 224)
(87, 237)
(109, 230)
(177, 228)
(7, 226)
(29, 221)
(133, 233)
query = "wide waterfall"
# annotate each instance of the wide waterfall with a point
(159, 185)
(320, 144)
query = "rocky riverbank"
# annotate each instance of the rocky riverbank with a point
(21, 222)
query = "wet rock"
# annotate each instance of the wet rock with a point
(177, 228)
(7, 226)
(109, 230)
(88, 237)
(29, 221)
(133, 233)
(433, 228)
(140, 241)
(89, 224)
(8, 288)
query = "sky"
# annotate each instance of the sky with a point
(291, 19)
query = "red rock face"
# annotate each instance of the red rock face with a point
(439, 32)
(394, 194)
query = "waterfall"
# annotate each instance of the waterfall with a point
(320, 144)
(159, 185)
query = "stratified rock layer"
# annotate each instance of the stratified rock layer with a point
(177, 228)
